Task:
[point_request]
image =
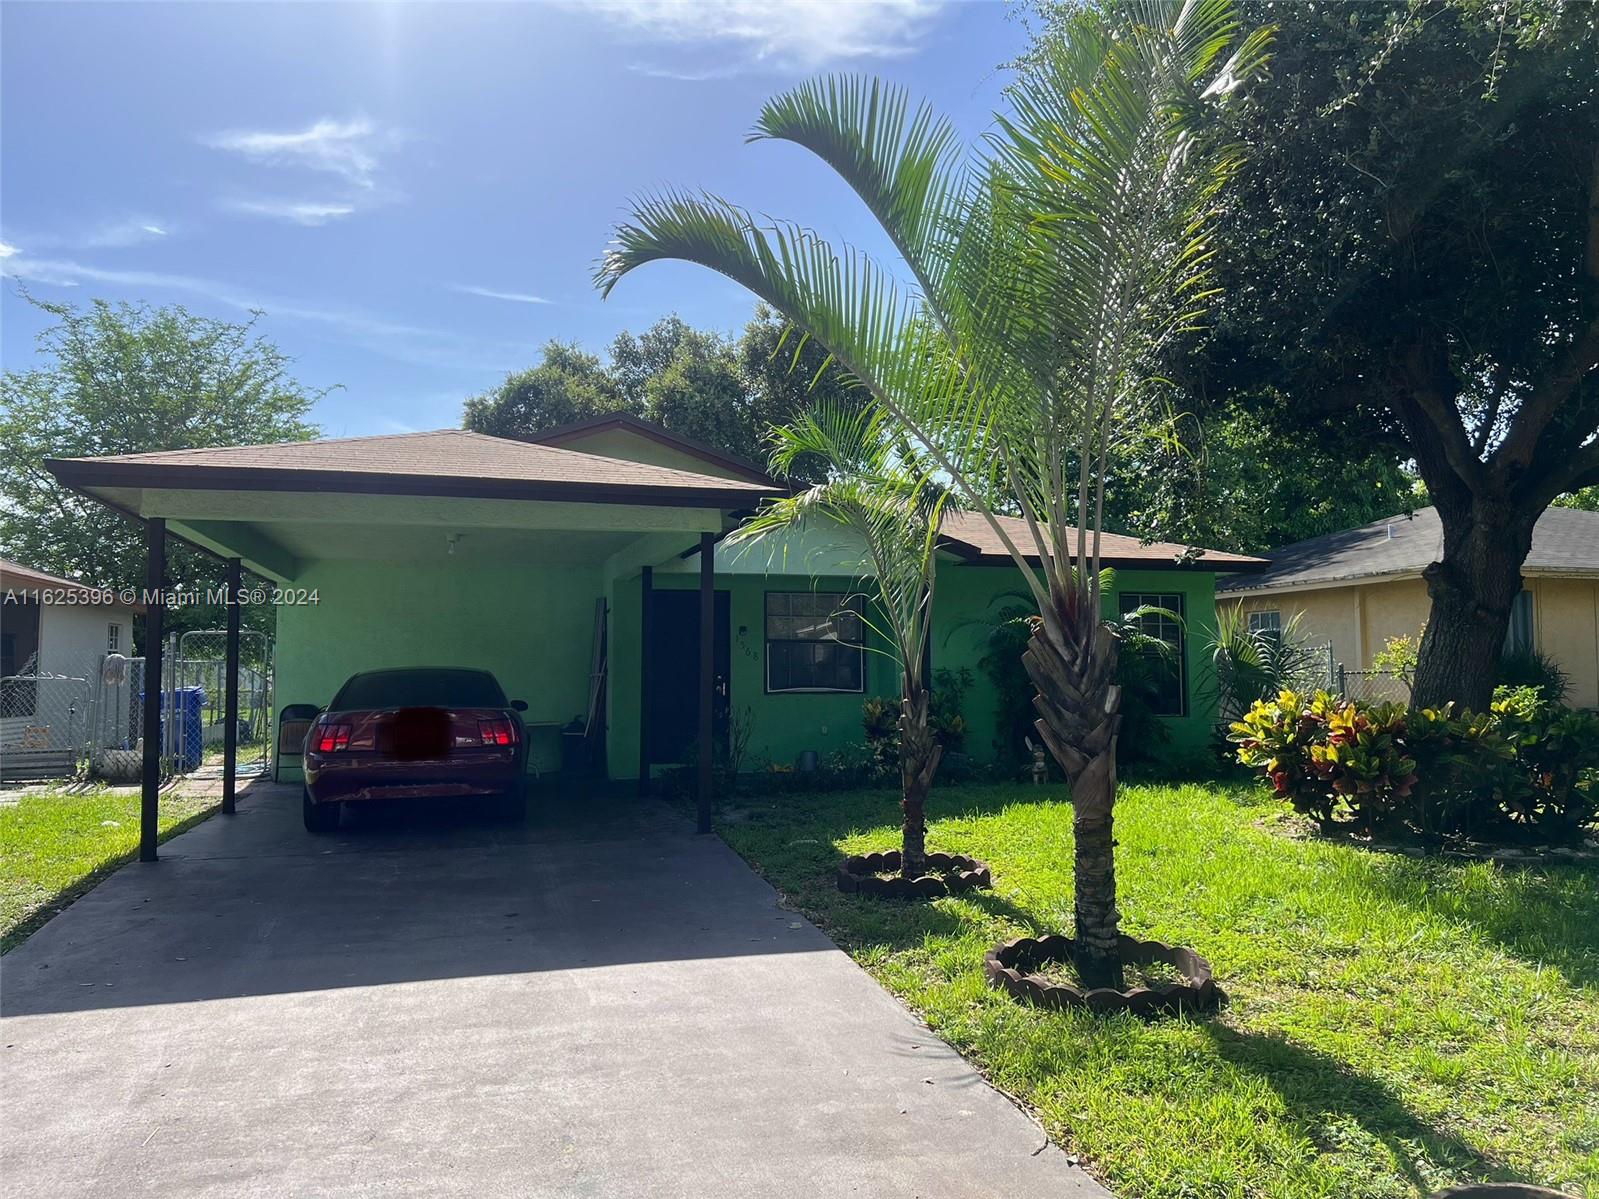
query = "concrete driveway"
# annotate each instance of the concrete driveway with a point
(427, 1007)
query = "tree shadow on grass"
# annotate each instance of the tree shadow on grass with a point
(1543, 914)
(1319, 1091)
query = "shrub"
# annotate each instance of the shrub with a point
(1524, 768)
(1330, 758)
(880, 722)
(1398, 657)
(1245, 664)
(1529, 668)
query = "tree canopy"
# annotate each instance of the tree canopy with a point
(1413, 260)
(729, 393)
(123, 379)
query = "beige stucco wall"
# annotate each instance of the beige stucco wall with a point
(1565, 618)
(1359, 620)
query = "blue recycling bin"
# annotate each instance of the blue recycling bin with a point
(191, 724)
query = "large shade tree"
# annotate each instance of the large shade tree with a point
(878, 491)
(1413, 255)
(125, 379)
(1048, 278)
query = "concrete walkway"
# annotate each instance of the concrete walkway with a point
(420, 1006)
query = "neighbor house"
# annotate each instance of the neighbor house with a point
(54, 634)
(572, 569)
(1360, 588)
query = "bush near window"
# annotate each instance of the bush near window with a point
(1526, 769)
(880, 720)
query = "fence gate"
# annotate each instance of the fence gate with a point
(199, 670)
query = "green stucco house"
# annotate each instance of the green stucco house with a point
(573, 568)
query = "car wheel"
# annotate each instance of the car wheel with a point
(319, 817)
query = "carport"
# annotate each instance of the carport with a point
(439, 548)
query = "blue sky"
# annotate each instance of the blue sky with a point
(416, 194)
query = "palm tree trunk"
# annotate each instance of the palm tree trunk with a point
(919, 753)
(1079, 711)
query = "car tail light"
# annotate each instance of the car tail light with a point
(332, 737)
(497, 730)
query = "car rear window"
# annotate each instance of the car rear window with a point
(420, 689)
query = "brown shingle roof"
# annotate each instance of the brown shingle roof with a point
(1564, 541)
(16, 577)
(627, 422)
(973, 533)
(445, 462)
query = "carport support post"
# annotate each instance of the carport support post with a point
(707, 674)
(230, 689)
(646, 636)
(155, 581)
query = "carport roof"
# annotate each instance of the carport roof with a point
(445, 462)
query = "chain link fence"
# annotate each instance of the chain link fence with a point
(1371, 686)
(46, 723)
(88, 722)
(200, 666)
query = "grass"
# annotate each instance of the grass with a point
(1397, 1025)
(56, 845)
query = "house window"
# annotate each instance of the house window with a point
(1518, 637)
(814, 641)
(113, 639)
(1266, 622)
(1168, 673)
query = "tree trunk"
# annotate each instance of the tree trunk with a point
(1473, 587)
(919, 754)
(1079, 710)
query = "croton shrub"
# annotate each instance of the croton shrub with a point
(1525, 769)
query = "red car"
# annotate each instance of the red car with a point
(412, 734)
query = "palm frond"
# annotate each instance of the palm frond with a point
(904, 161)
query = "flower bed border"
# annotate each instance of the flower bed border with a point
(1010, 967)
(862, 875)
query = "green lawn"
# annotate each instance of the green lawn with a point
(56, 846)
(1396, 1024)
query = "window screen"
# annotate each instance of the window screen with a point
(1168, 672)
(814, 640)
(1265, 622)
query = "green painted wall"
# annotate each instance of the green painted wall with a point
(969, 601)
(531, 625)
(968, 604)
(783, 724)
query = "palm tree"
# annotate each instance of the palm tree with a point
(878, 488)
(1048, 277)
(1249, 664)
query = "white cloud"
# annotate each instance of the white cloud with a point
(801, 34)
(300, 212)
(349, 149)
(424, 345)
(131, 232)
(7, 251)
(515, 297)
(113, 235)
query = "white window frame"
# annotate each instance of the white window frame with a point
(1258, 622)
(113, 637)
(841, 600)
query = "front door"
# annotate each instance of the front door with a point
(672, 672)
